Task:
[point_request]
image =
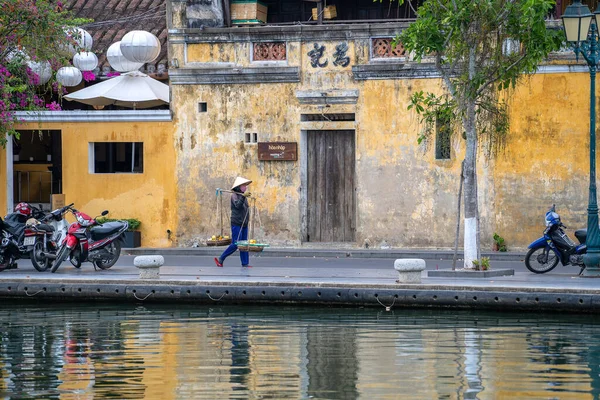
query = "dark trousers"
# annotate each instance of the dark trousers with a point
(237, 233)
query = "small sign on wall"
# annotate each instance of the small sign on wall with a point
(58, 201)
(277, 151)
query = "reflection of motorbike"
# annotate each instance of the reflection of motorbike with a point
(13, 230)
(88, 240)
(43, 237)
(554, 246)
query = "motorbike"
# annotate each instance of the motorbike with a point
(545, 253)
(13, 230)
(44, 236)
(89, 240)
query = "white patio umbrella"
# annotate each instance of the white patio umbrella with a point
(133, 89)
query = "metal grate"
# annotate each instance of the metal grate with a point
(328, 117)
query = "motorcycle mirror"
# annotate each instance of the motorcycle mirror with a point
(104, 212)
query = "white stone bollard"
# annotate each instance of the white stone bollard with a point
(149, 266)
(409, 270)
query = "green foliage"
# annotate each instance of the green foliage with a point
(465, 39)
(499, 240)
(483, 264)
(30, 31)
(433, 109)
(134, 224)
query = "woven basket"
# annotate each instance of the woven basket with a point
(256, 249)
(221, 242)
(248, 12)
(329, 12)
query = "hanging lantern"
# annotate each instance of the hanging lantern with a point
(140, 46)
(81, 38)
(69, 76)
(117, 60)
(42, 69)
(85, 61)
(17, 53)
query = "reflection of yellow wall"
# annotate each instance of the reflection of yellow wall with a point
(77, 374)
(149, 196)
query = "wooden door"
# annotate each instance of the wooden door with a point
(331, 204)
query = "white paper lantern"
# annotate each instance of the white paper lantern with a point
(17, 53)
(42, 69)
(85, 61)
(140, 46)
(117, 60)
(69, 76)
(81, 37)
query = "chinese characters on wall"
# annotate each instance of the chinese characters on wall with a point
(318, 59)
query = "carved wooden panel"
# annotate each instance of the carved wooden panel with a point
(269, 51)
(382, 48)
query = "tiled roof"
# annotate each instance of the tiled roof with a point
(114, 18)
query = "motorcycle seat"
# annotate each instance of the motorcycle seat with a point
(45, 227)
(581, 235)
(14, 223)
(105, 230)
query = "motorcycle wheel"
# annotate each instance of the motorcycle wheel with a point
(39, 262)
(115, 250)
(534, 264)
(75, 258)
(4, 262)
(60, 257)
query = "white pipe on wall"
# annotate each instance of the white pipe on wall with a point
(9, 174)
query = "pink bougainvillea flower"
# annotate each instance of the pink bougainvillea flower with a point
(54, 106)
(88, 76)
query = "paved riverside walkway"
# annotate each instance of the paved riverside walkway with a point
(349, 277)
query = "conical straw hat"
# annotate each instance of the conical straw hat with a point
(239, 181)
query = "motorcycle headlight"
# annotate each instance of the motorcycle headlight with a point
(552, 218)
(82, 221)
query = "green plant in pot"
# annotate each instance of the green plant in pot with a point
(133, 237)
(499, 243)
(482, 265)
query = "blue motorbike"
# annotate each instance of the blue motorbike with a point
(545, 253)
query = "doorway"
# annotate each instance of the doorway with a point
(330, 182)
(37, 166)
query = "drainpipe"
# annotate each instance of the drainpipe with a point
(9, 173)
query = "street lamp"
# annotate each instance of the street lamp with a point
(582, 34)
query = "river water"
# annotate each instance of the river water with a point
(96, 351)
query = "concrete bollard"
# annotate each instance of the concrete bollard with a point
(149, 266)
(409, 270)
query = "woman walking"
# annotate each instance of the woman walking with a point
(239, 221)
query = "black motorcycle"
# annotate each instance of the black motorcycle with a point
(13, 230)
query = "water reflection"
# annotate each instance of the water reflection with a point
(172, 352)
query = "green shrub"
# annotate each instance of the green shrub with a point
(482, 265)
(499, 240)
(134, 224)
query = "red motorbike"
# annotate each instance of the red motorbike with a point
(89, 240)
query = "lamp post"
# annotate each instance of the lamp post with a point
(582, 34)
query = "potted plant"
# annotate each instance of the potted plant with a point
(482, 265)
(499, 243)
(133, 237)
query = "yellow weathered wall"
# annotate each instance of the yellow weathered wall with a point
(404, 196)
(546, 159)
(149, 196)
(400, 189)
